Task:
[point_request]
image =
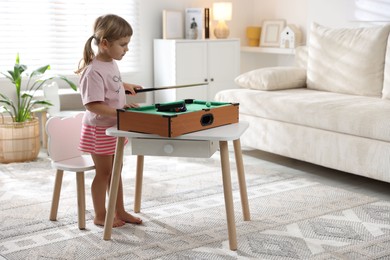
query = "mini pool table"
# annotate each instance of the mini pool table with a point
(172, 119)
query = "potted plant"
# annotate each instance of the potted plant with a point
(19, 129)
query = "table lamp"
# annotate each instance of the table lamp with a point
(222, 12)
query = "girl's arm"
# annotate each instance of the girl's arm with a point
(131, 87)
(101, 109)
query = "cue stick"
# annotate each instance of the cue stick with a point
(168, 87)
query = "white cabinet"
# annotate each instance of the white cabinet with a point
(179, 62)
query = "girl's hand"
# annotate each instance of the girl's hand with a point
(131, 87)
(131, 105)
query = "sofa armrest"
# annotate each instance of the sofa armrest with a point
(273, 78)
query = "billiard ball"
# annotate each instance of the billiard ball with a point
(208, 104)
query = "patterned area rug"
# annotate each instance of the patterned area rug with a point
(184, 215)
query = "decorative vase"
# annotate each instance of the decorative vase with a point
(19, 141)
(253, 35)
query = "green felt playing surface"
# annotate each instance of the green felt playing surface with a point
(195, 105)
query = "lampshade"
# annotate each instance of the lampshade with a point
(222, 11)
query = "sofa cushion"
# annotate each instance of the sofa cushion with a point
(386, 81)
(273, 78)
(347, 60)
(349, 114)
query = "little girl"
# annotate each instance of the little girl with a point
(102, 93)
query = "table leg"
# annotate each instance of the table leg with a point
(138, 183)
(241, 180)
(115, 177)
(227, 190)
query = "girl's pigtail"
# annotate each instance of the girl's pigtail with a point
(88, 55)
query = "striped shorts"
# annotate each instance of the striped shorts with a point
(95, 141)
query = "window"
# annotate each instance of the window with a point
(54, 32)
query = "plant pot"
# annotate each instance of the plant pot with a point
(19, 142)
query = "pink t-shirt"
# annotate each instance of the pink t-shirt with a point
(101, 81)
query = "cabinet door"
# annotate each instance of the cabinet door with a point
(223, 65)
(191, 68)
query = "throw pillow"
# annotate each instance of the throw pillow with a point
(347, 60)
(273, 78)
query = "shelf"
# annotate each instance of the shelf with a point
(270, 50)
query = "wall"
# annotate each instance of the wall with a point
(332, 13)
(293, 12)
(151, 28)
(245, 12)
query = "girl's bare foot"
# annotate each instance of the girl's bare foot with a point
(100, 222)
(128, 218)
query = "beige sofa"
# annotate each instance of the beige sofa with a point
(333, 109)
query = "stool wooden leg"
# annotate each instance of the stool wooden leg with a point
(241, 180)
(138, 183)
(81, 199)
(56, 195)
(227, 190)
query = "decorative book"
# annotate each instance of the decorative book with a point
(194, 23)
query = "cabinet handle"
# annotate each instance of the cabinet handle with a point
(205, 80)
(212, 79)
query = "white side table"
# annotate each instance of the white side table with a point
(182, 146)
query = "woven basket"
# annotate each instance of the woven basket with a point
(19, 142)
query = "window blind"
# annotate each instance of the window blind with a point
(54, 32)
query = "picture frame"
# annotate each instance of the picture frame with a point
(173, 24)
(270, 32)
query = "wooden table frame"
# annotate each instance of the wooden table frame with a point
(221, 134)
